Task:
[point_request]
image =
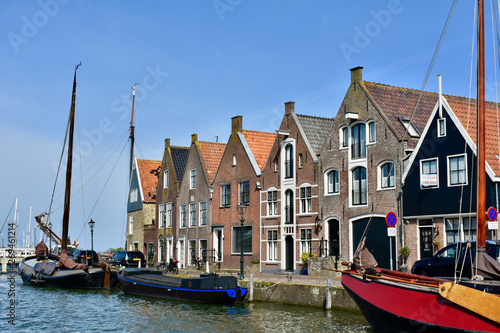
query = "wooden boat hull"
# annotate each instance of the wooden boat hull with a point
(210, 288)
(393, 306)
(61, 278)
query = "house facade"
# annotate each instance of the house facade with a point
(141, 205)
(360, 168)
(289, 199)
(238, 183)
(172, 170)
(439, 192)
(194, 203)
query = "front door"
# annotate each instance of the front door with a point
(333, 237)
(218, 245)
(151, 254)
(425, 241)
(289, 254)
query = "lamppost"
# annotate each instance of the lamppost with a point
(241, 210)
(92, 224)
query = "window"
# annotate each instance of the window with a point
(332, 182)
(441, 127)
(289, 161)
(301, 161)
(305, 240)
(169, 215)
(306, 199)
(272, 203)
(203, 249)
(133, 195)
(234, 159)
(358, 143)
(192, 214)
(165, 179)
(192, 252)
(226, 195)
(412, 131)
(387, 175)
(371, 132)
(131, 225)
(162, 215)
(247, 239)
(429, 174)
(193, 179)
(244, 193)
(203, 213)
(359, 186)
(289, 207)
(457, 170)
(276, 164)
(183, 216)
(344, 139)
(272, 245)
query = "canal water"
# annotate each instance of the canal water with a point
(57, 310)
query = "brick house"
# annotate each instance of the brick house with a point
(238, 183)
(194, 202)
(289, 196)
(360, 167)
(439, 191)
(172, 170)
(141, 205)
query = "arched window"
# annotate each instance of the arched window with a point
(289, 207)
(289, 161)
(387, 175)
(332, 182)
(358, 141)
(359, 186)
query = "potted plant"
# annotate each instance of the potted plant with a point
(404, 252)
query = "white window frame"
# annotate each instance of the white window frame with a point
(464, 156)
(192, 179)
(409, 127)
(203, 213)
(305, 200)
(380, 176)
(192, 214)
(234, 159)
(371, 138)
(134, 194)
(241, 192)
(161, 215)
(301, 160)
(344, 137)
(224, 195)
(131, 224)
(437, 172)
(272, 205)
(165, 179)
(439, 122)
(169, 215)
(183, 216)
(272, 245)
(328, 183)
(305, 240)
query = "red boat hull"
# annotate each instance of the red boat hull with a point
(394, 306)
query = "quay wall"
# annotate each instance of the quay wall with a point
(300, 294)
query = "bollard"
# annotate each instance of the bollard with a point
(328, 300)
(289, 275)
(250, 288)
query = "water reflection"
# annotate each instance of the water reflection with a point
(54, 310)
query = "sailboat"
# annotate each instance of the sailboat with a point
(47, 270)
(394, 301)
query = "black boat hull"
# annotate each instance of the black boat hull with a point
(210, 289)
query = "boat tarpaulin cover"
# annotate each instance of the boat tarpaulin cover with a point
(363, 259)
(486, 266)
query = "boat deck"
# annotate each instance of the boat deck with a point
(162, 280)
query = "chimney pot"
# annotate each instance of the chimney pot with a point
(289, 107)
(357, 74)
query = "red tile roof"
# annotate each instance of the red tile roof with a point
(260, 144)
(211, 155)
(148, 173)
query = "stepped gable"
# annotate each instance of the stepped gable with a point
(149, 172)
(316, 129)
(465, 110)
(179, 159)
(211, 155)
(260, 143)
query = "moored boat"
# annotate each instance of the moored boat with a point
(207, 288)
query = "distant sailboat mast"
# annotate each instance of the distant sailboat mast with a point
(132, 138)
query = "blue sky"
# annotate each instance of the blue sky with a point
(196, 64)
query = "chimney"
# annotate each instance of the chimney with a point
(289, 107)
(357, 74)
(236, 124)
(194, 138)
(167, 143)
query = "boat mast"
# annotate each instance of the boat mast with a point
(69, 166)
(481, 151)
(132, 138)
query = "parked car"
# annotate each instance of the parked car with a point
(447, 260)
(127, 259)
(85, 256)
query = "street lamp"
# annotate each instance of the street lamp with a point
(241, 210)
(92, 224)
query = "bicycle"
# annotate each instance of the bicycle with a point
(172, 266)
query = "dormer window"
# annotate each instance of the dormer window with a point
(165, 179)
(193, 179)
(410, 128)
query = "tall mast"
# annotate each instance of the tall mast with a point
(132, 138)
(69, 167)
(481, 139)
